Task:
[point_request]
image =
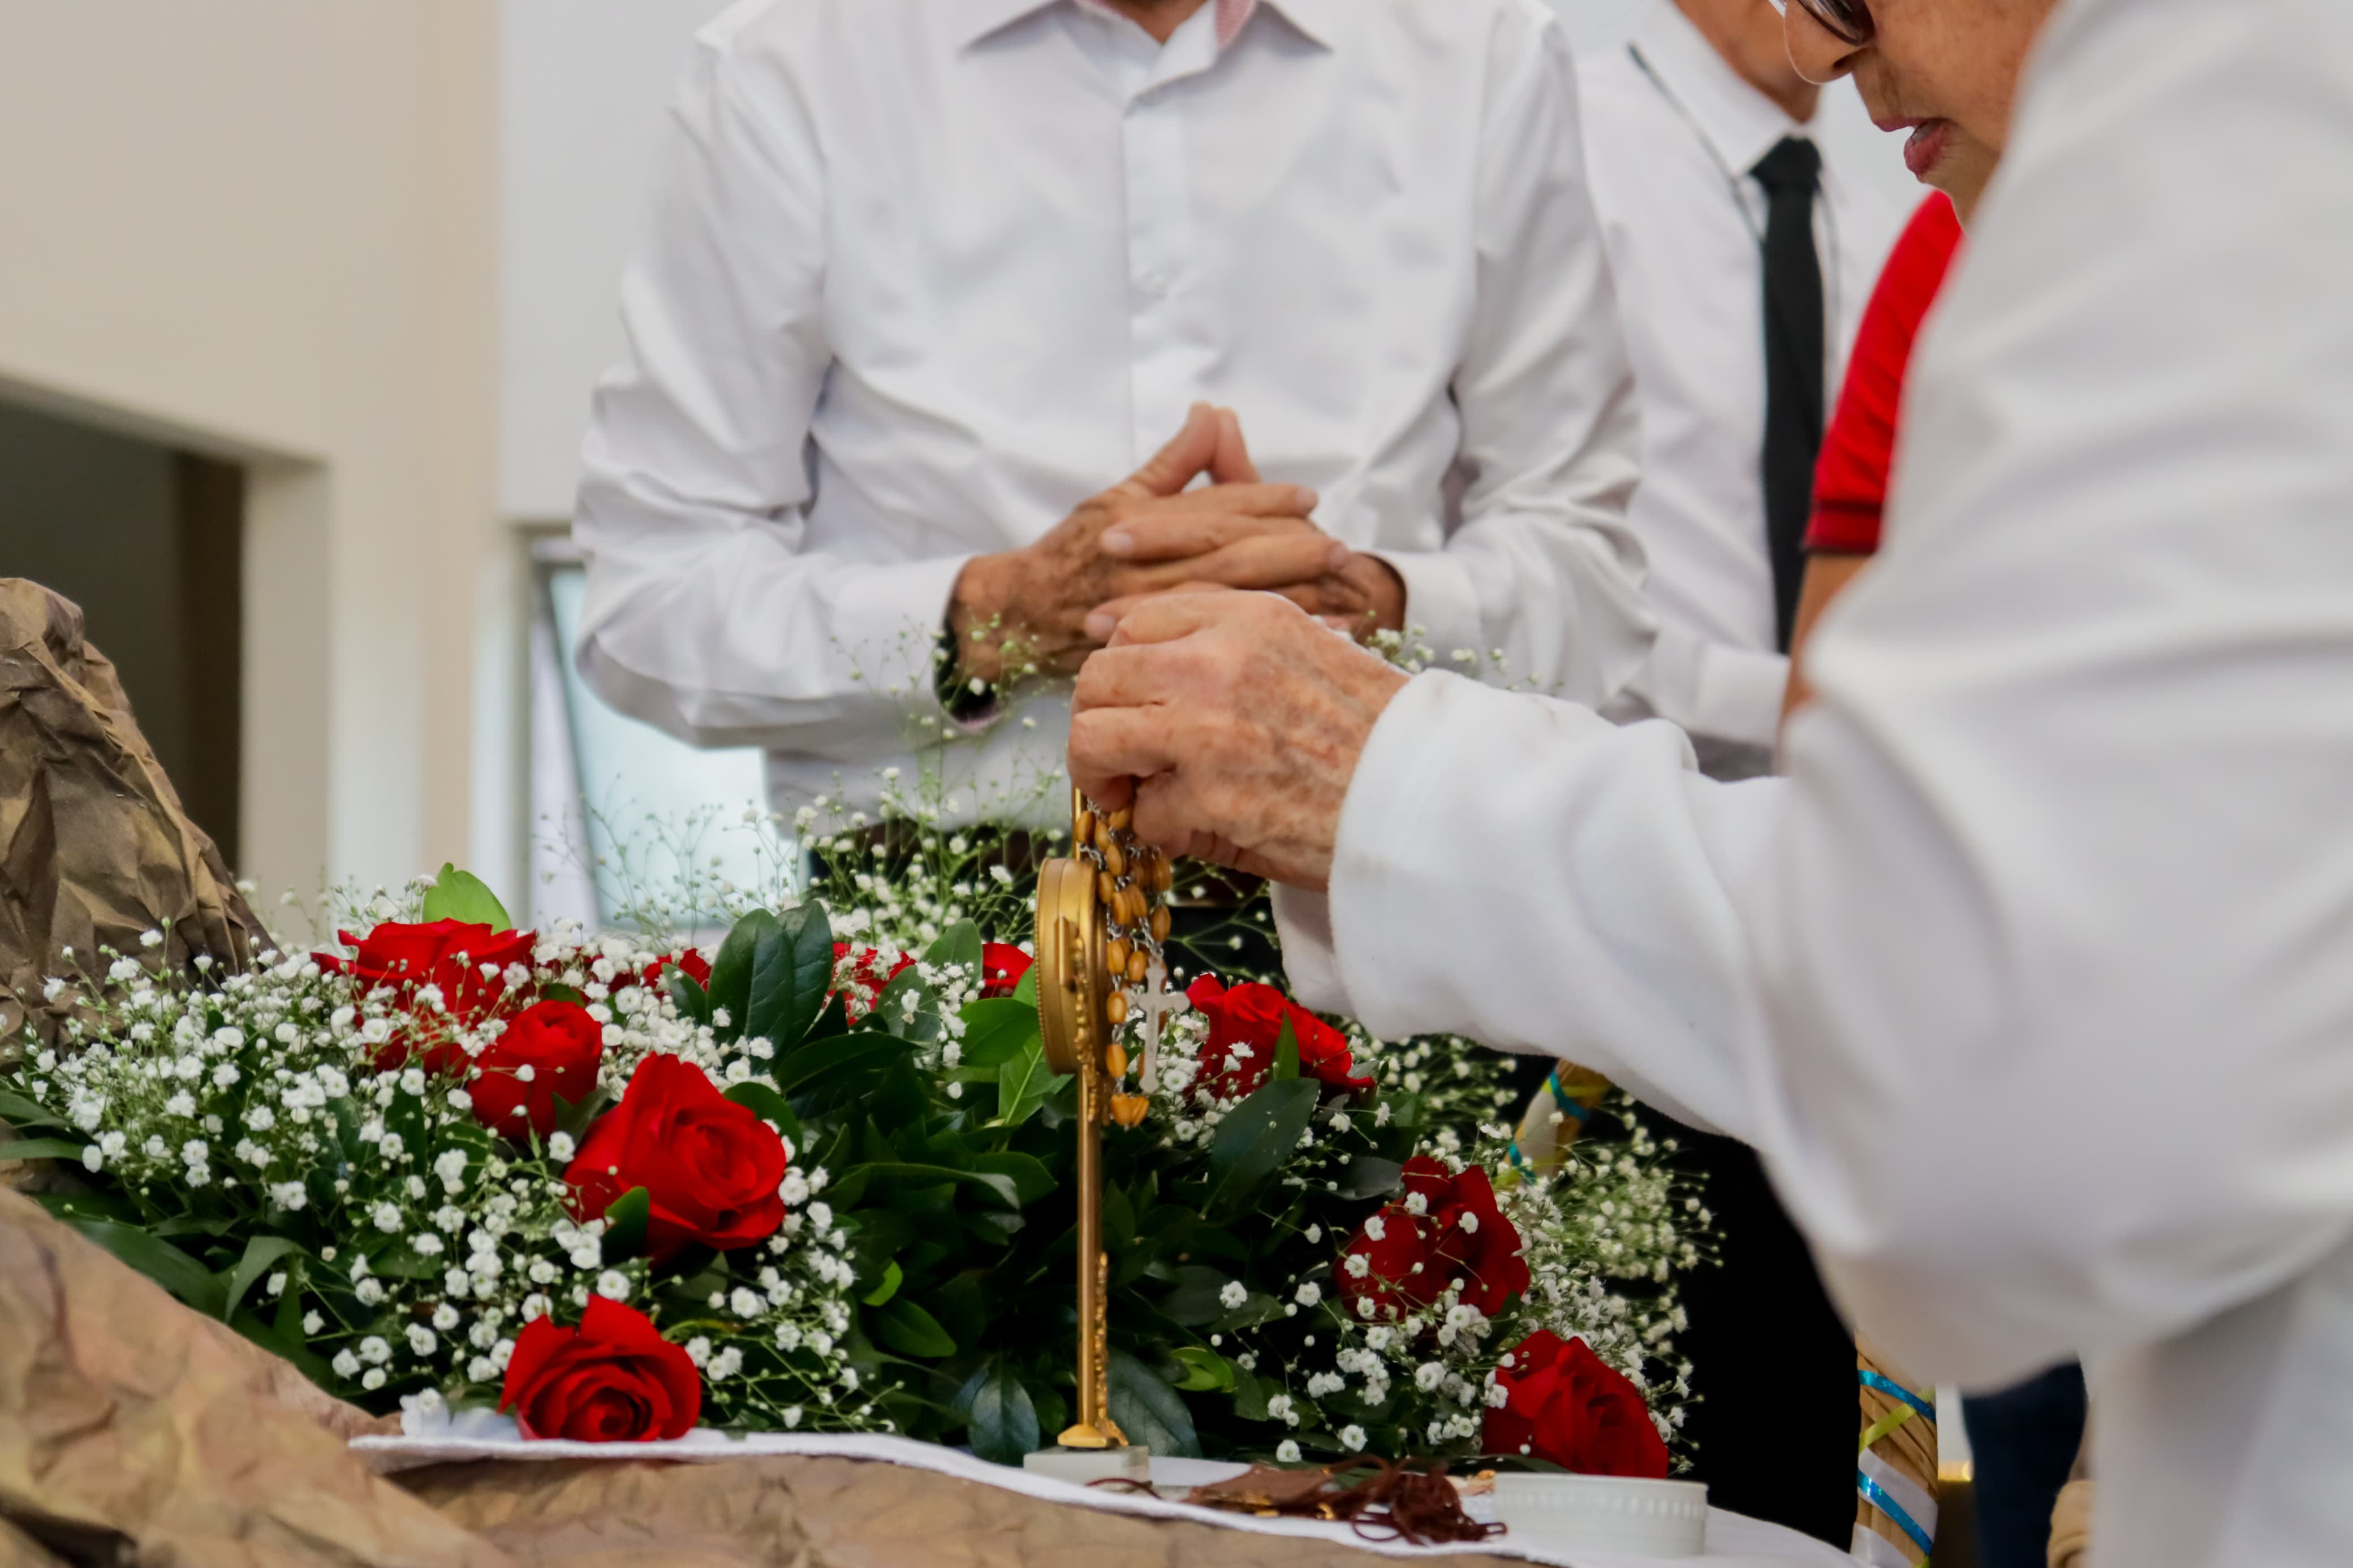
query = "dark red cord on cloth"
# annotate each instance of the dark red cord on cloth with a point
(1420, 1508)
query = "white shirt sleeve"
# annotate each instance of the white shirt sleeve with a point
(1543, 567)
(2034, 981)
(707, 613)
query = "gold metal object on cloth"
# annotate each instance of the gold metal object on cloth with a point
(1100, 901)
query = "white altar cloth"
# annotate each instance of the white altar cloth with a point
(1733, 1541)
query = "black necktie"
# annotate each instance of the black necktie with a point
(1794, 331)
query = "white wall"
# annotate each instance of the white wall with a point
(264, 229)
(584, 85)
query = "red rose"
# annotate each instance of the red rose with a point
(865, 976)
(1245, 1027)
(1567, 1405)
(614, 1379)
(1459, 1235)
(1002, 965)
(689, 963)
(710, 1166)
(559, 1045)
(449, 954)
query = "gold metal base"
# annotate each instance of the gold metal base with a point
(1082, 1437)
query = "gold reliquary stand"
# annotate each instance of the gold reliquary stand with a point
(1101, 920)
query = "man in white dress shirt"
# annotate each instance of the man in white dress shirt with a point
(1745, 250)
(2031, 981)
(926, 278)
(1690, 127)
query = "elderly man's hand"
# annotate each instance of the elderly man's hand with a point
(1034, 606)
(1234, 721)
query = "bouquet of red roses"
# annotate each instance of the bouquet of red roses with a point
(619, 1189)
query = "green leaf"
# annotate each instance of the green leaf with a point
(88, 1205)
(731, 972)
(769, 1106)
(625, 1226)
(1022, 1085)
(572, 1119)
(995, 1030)
(1251, 1393)
(891, 1280)
(1370, 1176)
(166, 1265)
(909, 1330)
(890, 1007)
(259, 1253)
(552, 992)
(960, 945)
(1002, 1186)
(1195, 1300)
(1031, 1180)
(693, 1001)
(1257, 1136)
(1286, 1053)
(1149, 1411)
(43, 1149)
(1004, 1419)
(792, 973)
(1026, 993)
(841, 1062)
(461, 896)
(1205, 1372)
(18, 1112)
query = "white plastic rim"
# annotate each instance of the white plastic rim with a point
(1605, 1513)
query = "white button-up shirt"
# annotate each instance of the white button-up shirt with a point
(1671, 132)
(922, 275)
(2034, 981)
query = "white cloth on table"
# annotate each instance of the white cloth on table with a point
(922, 276)
(1733, 1541)
(1671, 134)
(2034, 981)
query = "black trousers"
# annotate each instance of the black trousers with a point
(2024, 1441)
(1775, 1428)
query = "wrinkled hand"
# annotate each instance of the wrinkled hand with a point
(1147, 535)
(1234, 721)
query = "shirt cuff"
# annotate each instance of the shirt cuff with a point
(1303, 923)
(888, 618)
(1715, 690)
(1439, 597)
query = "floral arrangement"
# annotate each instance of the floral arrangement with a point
(621, 1189)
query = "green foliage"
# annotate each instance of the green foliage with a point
(461, 896)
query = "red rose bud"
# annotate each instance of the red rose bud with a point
(559, 1045)
(1410, 1258)
(614, 1379)
(1245, 1027)
(1002, 965)
(449, 954)
(691, 963)
(709, 1167)
(1568, 1406)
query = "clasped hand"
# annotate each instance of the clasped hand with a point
(1048, 605)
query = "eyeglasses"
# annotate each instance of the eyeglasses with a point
(1849, 20)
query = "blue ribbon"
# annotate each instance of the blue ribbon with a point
(1876, 1496)
(1582, 1113)
(1894, 1390)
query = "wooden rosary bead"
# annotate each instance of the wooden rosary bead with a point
(1115, 1059)
(1118, 956)
(1115, 1008)
(1160, 922)
(1114, 860)
(1136, 969)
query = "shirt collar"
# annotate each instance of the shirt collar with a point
(1741, 124)
(1318, 19)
